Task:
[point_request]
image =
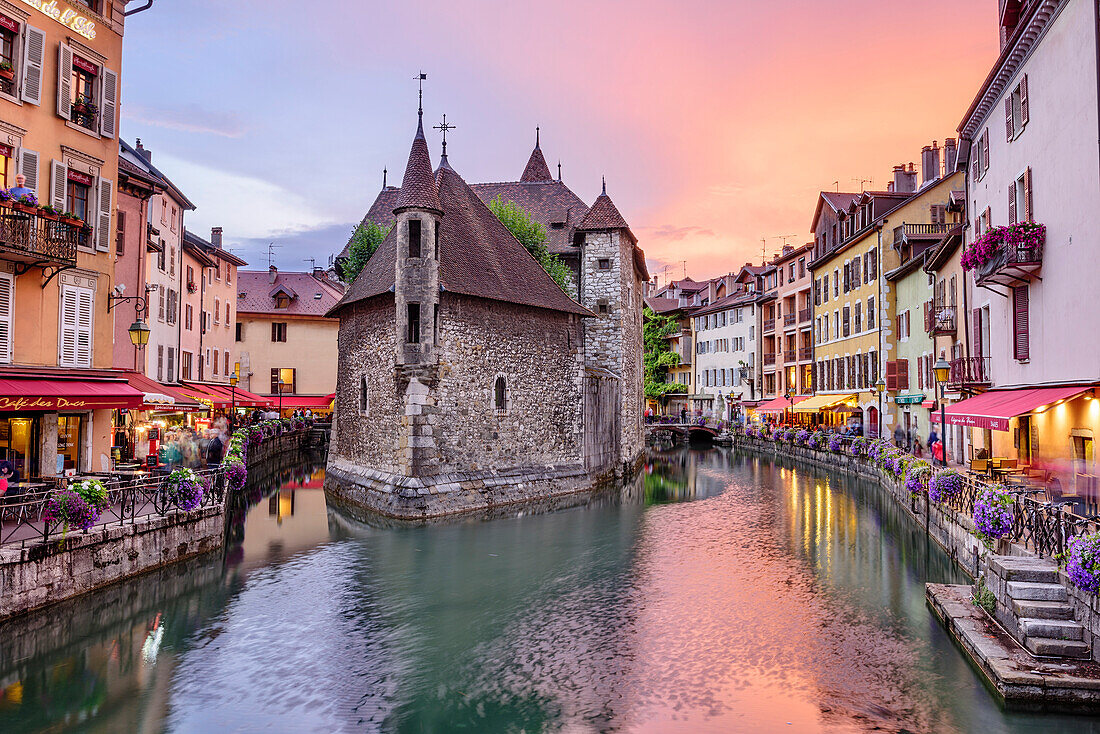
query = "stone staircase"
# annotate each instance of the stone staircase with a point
(1036, 607)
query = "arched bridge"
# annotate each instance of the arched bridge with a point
(682, 431)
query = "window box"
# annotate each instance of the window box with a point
(72, 220)
(7, 72)
(25, 208)
(48, 212)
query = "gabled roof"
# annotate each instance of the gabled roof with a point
(418, 184)
(548, 202)
(837, 201)
(478, 257)
(536, 169)
(190, 238)
(658, 304)
(739, 298)
(256, 293)
(944, 250)
(137, 160)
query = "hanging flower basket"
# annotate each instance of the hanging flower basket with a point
(184, 489)
(993, 515)
(1022, 241)
(1082, 558)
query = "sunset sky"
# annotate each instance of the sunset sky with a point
(716, 123)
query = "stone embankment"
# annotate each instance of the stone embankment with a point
(1037, 647)
(43, 572)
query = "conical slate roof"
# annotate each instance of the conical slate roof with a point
(603, 214)
(418, 184)
(478, 257)
(536, 169)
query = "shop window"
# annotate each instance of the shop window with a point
(285, 376)
(68, 443)
(19, 445)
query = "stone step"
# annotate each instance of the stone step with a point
(1055, 629)
(1041, 609)
(1036, 591)
(1057, 648)
(1023, 568)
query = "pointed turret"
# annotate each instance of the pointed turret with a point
(418, 189)
(603, 214)
(536, 169)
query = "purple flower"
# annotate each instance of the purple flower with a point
(185, 489)
(70, 508)
(802, 437)
(236, 474)
(836, 443)
(993, 513)
(944, 484)
(1083, 562)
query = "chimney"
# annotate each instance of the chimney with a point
(930, 163)
(905, 181)
(146, 154)
(216, 237)
(950, 156)
(272, 273)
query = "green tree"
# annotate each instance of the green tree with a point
(532, 236)
(365, 239)
(658, 357)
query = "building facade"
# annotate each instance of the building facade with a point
(58, 129)
(218, 295)
(725, 358)
(793, 313)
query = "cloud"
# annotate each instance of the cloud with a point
(188, 118)
(293, 249)
(673, 232)
(245, 206)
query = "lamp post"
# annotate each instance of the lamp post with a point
(880, 386)
(789, 395)
(943, 371)
(279, 385)
(233, 380)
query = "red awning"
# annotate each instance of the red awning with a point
(993, 409)
(223, 396)
(778, 405)
(322, 402)
(66, 393)
(162, 397)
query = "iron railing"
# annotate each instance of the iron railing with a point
(769, 358)
(38, 238)
(788, 320)
(769, 325)
(805, 314)
(805, 353)
(788, 355)
(969, 372)
(23, 522)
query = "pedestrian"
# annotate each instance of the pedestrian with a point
(932, 437)
(214, 449)
(899, 436)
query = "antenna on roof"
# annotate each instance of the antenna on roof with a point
(837, 184)
(312, 263)
(271, 254)
(863, 181)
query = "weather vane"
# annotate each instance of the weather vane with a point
(444, 127)
(420, 91)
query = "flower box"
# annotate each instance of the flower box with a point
(25, 208)
(72, 221)
(52, 216)
(8, 74)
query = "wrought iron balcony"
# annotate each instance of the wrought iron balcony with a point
(920, 232)
(1012, 266)
(33, 240)
(788, 356)
(805, 314)
(805, 354)
(969, 372)
(939, 320)
(769, 357)
(769, 325)
(788, 320)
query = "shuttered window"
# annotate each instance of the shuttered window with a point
(75, 339)
(34, 52)
(903, 374)
(891, 375)
(7, 310)
(1020, 338)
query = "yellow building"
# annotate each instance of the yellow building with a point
(59, 107)
(286, 346)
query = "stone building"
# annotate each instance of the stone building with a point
(467, 377)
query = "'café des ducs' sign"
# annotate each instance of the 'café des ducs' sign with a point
(67, 17)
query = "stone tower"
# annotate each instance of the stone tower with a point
(418, 213)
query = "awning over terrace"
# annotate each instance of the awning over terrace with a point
(820, 402)
(778, 405)
(993, 409)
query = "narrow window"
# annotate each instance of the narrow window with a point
(435, 324)
(437, 240)
(603, 263)
(500, 393)
(364, 399)
(601, 305)
(414, 238)
(412, 335)
(237, 336)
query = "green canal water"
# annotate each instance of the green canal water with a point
(718, 593)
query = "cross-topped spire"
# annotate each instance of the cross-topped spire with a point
(384, 172)
(603, 180)
(420, 93)
(444, 127)
(536, 136)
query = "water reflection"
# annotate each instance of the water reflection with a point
(719, 593)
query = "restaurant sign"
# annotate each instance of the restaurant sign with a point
(67, 17)
(978, 421)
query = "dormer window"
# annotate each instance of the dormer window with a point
(557, 225)
(414, 238)
(282, 301)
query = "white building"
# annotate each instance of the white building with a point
(725, 352)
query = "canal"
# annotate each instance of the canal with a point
(719, 593)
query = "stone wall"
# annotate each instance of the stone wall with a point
(367, 352)
(43, 574)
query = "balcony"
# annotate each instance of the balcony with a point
(939, 320)
(34, 240)
(788, 356)
(920, 233)
(805, 354)
(969, 372)
(769, 325)
(1012, 265)
(788, 320)
(769, 358)
(805, 315)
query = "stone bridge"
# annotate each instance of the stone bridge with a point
(682, 431)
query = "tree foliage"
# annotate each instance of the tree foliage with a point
(365, 239)
(658, 357)
(532, 236)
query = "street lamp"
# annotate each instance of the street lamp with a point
(139, 333)
(942, 370)
(279, 385)
(880, 386)
(789, 395)
(233, 380)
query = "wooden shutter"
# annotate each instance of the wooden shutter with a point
(856, 263)
(1012, 203)
(27, 164)
(976, 325)
(64, 81)
(974, 167)
(985, 150)
(874, 262)
(7, 299)
(1029, 209)
(75, 342)
(103, 221)
(1020, 340)
(1025, 115)
(34, 52)
(1008, 116)
(847, 277)
(891, 375)
(920, 373)
(902, 368)
(108, 102)
(59, 179)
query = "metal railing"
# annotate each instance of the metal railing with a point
(769, 324)
(23, 518)
(788, 320)
(905, 231)
(37, 237)
(805, 314)
(939, 319)
(805, 353)
(769, 358)
(969, 371)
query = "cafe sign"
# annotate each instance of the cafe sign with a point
(66, 17)
(54, 403)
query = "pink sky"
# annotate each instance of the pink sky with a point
(716, 123)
